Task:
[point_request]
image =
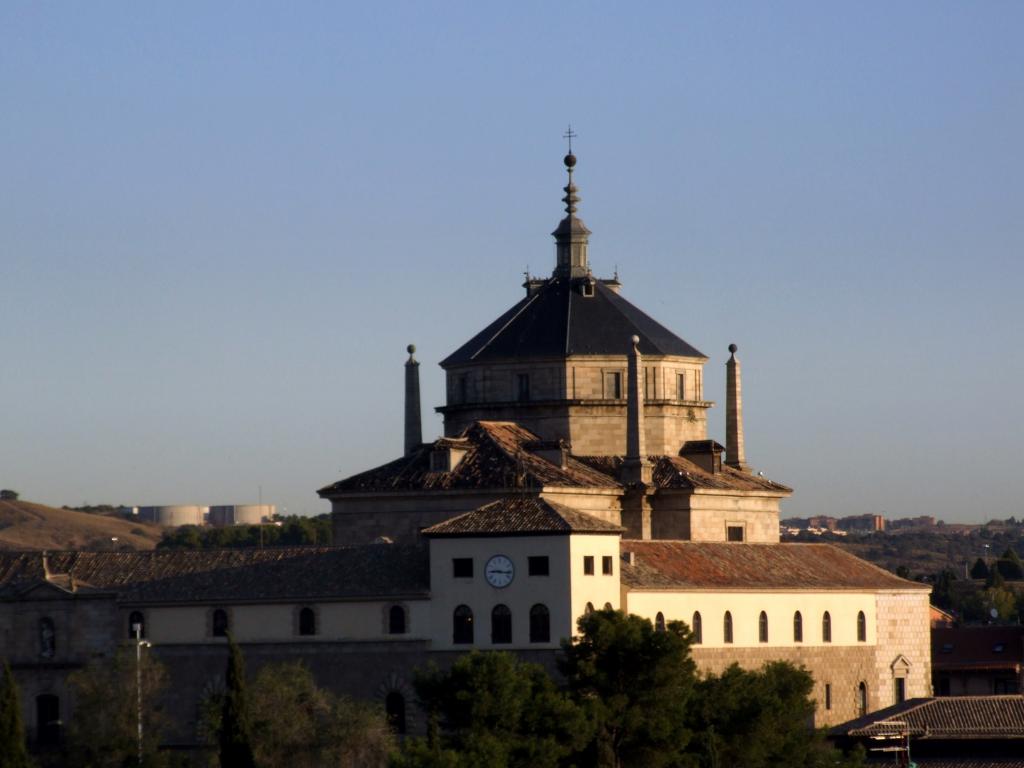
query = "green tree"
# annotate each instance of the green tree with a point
(979, 570)
(493, 709)
(758, 719)
(635, 684)
(298, 724)
(1009, 565)
(1001, 600)
(13, 750)
(235, 734)
(942, 594)
(104, 730)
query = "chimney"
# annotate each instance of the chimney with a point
(734, 455)
(413, 420)
(636, 468)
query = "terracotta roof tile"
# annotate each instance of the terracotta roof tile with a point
(522, 515)
(496, 458)
(285, 573)
(720, 565)
(677, 472)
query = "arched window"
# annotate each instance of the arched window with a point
(136, 621)
(48, 719)
(727, 627)
(540, 624)
(862, 627)
(697, 628)
(220, 623)
(659, 622)
(307, 621)
(394, 708)
(462, 625)
(798, 628)
(862, 700)
(501, 625)
(47, 638)
(826, 628)
(396, 620)
(762, 627)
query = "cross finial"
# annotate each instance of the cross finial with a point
(570, 135)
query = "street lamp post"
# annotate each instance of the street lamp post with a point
(139, 644)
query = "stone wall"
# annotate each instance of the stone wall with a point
(904, 646)
(579, 400)
(841, 667)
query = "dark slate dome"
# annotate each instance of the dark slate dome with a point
(557, 321)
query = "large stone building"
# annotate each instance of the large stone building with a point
(575, 472)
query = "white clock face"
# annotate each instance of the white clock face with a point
(499, 571)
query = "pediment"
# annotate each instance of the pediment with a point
(900, 664)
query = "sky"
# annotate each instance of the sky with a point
(221, 224)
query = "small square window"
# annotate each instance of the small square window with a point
(606, 565)
(537, 565)
(462, 567)
(734, 532)
(588, 565)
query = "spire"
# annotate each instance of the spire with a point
(413, 420)
(571, 233)
(635, 468)
(734, 454)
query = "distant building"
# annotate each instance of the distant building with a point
(978, 661)
(241, 514)
(862, 523)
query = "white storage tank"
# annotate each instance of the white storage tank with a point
(241, 514)
(174, 514)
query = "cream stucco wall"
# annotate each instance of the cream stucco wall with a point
(565, 591)
(746, 608)
(278, 622)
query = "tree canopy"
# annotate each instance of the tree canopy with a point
(635, 684)
(13, 749)
(493, 709)
(104, 730)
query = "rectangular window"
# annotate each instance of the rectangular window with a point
(522, 387)
(734, 532)
(588, 565)
(613, 385)
(537, 565)
(828, 695)
(901, 690)
(680, 386)
(462, 567)
(606, 565)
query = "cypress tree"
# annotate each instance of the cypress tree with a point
(235, 736)
(13, 751)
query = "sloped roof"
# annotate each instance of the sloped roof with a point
(720, 565)
(946, 717)
(680, 473)
(285, 573)
(497, 457)
(522, 515)
(557, 321)
(500, 455)
(988, 647)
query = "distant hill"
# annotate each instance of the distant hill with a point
(28, 526)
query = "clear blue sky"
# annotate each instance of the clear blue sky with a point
(220, 225)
